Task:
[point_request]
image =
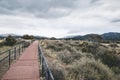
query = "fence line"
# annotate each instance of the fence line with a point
(46, 72)
(11, 54)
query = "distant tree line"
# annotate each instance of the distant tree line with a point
(10, 40)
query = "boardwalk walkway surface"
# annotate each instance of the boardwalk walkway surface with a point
(27, 66)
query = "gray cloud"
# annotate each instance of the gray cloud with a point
(94, 1)
(56, 8)
(116, 21)
(60, 17)
(39, 8)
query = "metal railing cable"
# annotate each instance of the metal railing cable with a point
(46, 72)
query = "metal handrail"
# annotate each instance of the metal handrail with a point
(12, 52)
(46, 72)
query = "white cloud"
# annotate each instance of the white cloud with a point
(59, 18)
(21, 25)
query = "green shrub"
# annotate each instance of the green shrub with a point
(10, 41)
(1, 44)
(58, 74)
(116, 70)
(90, 48)
(113, 45)
(57, 70)
(28, 36)
(50, 46)
(110, 59)
(65, 56)
(55, 47)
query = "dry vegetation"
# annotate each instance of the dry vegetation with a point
(4, 48)
(1, 40)
(3, 67)
(82, 60)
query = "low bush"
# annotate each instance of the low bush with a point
(58, 74)
(89, 47)
(116, 70)
(57, 70)
(10, 41)
(90, 69)
(1, 44)
(113, 45)
(65, 56)
(110, 59)
(54, 47)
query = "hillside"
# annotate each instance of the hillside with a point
(111, 36)
(5, 35)
(106, 36)
(19, 36)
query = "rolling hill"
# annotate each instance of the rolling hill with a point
(106, 36)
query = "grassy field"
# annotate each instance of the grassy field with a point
(82, 60)
(4, 48)
(1, 40)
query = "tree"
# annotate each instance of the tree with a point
(10, 41)
(28, 36)
(95, 37)
(52, 38)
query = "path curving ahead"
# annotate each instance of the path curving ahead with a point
(27, 66)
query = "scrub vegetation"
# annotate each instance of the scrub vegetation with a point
(82, 60)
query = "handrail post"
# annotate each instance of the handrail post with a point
(9, 58)
(15, 53)
(48, 74)
(42, 66)
(19, 49)
(22, 46)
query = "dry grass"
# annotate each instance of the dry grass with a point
(82, 60)
(1, 40)
(4, 48)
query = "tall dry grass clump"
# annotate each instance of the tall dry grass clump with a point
(89, 69)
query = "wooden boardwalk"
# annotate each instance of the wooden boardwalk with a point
(27, 66)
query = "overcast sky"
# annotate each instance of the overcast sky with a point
(59, 18)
